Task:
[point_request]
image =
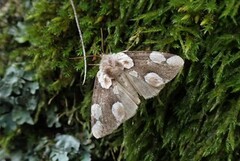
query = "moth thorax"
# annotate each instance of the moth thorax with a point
(114, 69)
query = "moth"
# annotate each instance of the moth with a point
(122, 79)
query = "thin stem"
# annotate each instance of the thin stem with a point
(81, 41)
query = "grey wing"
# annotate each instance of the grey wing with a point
(142, 87)
(111, 107)
(129, 105)
(152, 70)
(102, 119)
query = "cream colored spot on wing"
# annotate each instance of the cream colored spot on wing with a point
(153, 79)
(175, 61)
(96, 111)
(104, 80)
(118, 112)
(125, 60)
(157, 57)
(133, 73)
(97, 129)
(115, 90)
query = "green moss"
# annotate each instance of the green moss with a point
(195, 117)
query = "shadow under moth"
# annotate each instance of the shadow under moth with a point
(121, 79)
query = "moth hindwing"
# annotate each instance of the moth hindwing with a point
(121, 79)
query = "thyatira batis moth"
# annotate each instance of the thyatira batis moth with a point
(121, 79)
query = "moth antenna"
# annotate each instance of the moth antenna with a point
(81, 41)
(94, 64)
(80, 57)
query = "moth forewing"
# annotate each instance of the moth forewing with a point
(126, 100)
(102, 120)
(124, 76)
(123, 80)
(142, 87)
(165, 65)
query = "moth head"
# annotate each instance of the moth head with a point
(111, 66)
